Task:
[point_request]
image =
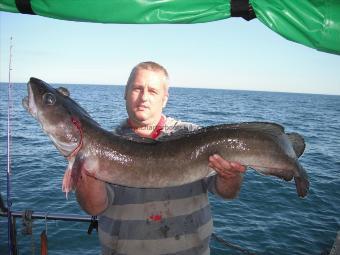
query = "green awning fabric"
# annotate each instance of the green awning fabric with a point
(314, 23)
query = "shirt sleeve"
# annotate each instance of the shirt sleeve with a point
(210, 183)
(110, 194)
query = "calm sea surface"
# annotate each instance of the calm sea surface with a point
(266, 218)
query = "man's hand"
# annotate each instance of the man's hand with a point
(226, 169)
(229, 176)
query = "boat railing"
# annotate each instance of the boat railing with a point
(51, 216)
(28, 216)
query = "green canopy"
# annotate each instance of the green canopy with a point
(314, 23)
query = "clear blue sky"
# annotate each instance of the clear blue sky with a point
(230, 54)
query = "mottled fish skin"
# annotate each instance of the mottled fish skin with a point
(170, 162)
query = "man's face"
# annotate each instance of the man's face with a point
(145, 97)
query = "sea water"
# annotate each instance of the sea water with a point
(267, 217)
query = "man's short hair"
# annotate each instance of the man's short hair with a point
(151, 66)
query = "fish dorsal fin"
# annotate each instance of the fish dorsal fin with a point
(267, 127)
(270, 126)
(298, 143)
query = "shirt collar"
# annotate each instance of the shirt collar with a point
(157, 130)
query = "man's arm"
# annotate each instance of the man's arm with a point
(229, 176)
(91, 194)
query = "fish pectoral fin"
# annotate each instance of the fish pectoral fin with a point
(71, 175)
(67, 185)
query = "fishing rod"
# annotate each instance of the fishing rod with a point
(9, 108)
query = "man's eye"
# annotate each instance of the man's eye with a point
(49, 99)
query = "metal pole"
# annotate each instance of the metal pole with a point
(51, 216)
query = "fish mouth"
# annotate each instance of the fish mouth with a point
(28, 102)
(66, 148)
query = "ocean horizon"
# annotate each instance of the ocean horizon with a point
(179, 87)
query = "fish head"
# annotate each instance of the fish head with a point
(59, 116)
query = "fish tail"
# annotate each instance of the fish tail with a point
(301, 181)
(302, 186)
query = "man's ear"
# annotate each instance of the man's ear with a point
(125, 93)
(165, 100)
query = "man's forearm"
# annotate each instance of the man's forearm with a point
(91, 194)
(229, 188)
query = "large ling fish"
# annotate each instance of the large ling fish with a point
(180, 159)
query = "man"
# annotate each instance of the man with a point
(173, 220)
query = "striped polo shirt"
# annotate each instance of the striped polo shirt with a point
(147, 221)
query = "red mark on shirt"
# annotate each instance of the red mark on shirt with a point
(156, 217)
(157, 131)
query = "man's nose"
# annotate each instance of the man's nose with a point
(145, 95)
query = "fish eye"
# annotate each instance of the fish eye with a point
(49, 99)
